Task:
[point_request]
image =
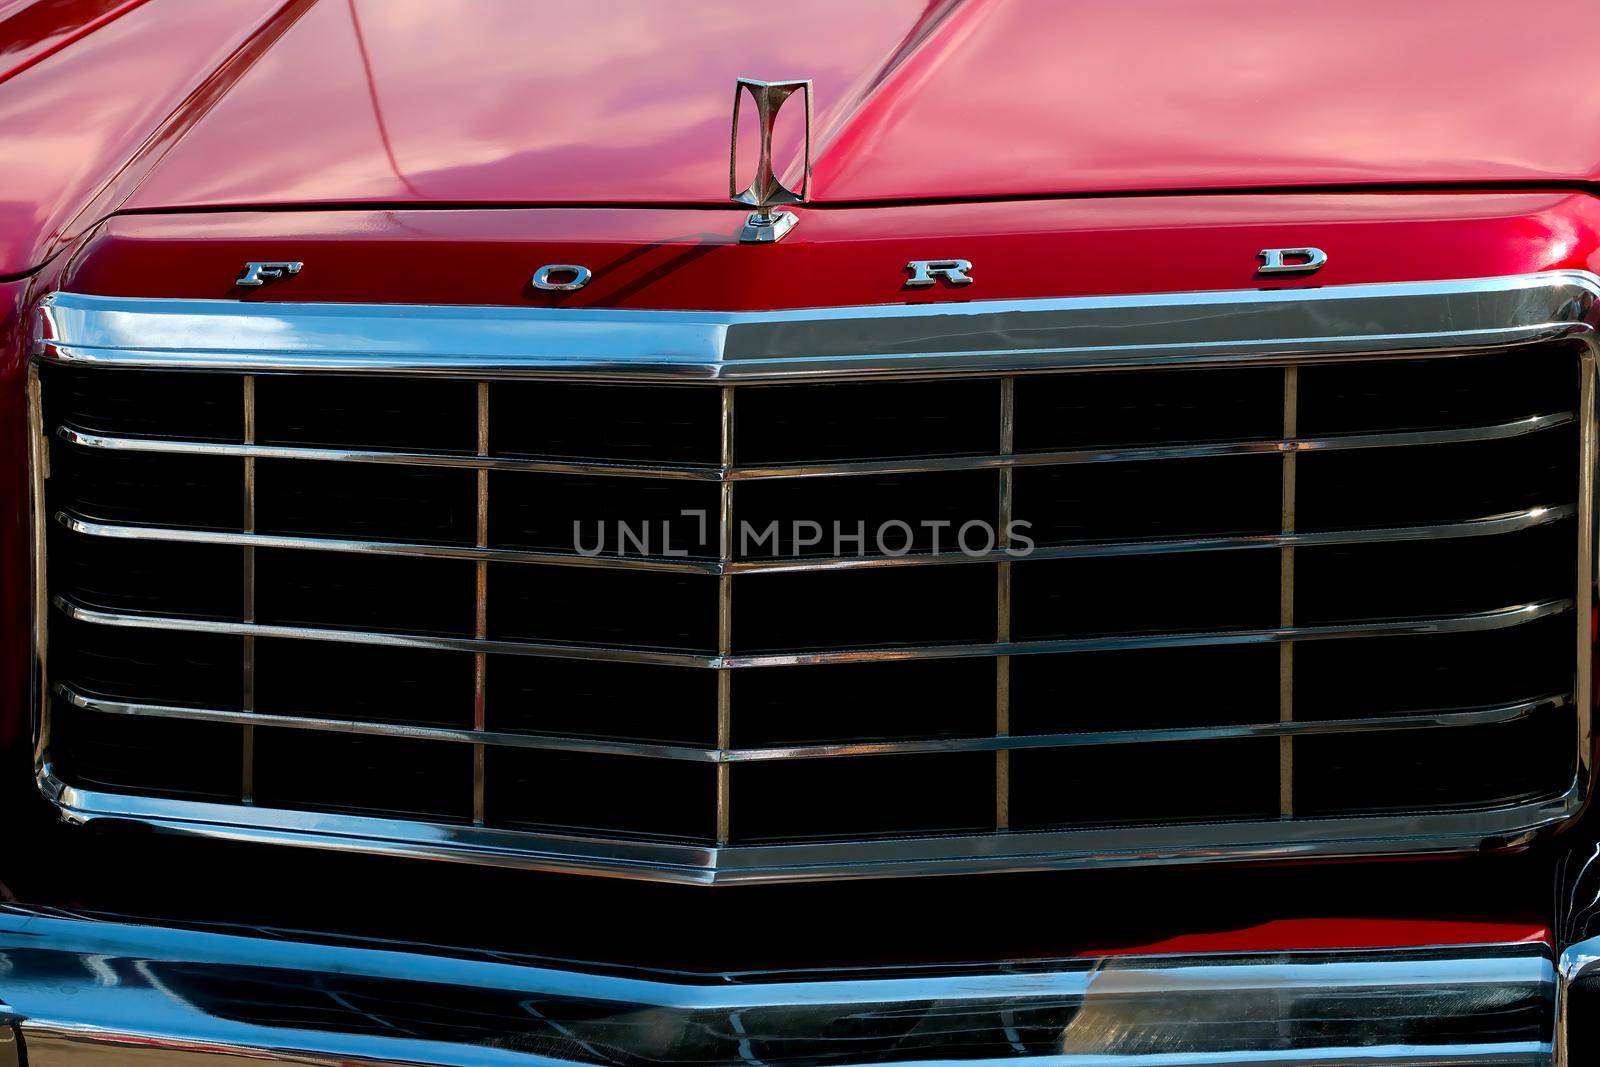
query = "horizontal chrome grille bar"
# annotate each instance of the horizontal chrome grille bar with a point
(388, 729)
(1440, 719)
(1147, 453)
(374, 637)
(1343, 442)
(1473, 622)
(105, 442)
(1488, 526)
(91, 528)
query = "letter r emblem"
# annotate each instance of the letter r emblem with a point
(953, 271)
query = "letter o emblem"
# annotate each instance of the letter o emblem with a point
(561, 277)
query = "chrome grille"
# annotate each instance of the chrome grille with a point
(1324, 600)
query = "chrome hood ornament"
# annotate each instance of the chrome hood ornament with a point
(767, 192)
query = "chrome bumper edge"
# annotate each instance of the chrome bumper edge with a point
(82, 989)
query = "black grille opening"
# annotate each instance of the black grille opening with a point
(367, 413)
(926, 512)
(865, 608)
(1181, 498)
(131, 403)
(1341, 583)
(655, 424)
(1442, 483)
(147, 666)
(363, 774)
(340, 590)
(864, 701)
(603, 516)
(370, 501)
(153, 577)
(1162, 593)
(158, 757)
(584, 698)
(1144, 783)
(1144, 689)
(1388, 675)
(1070, 411)
(1423, 394)
(1436, 770)
(547, 790)
(576, 605)
(203, 492)
(870, 420)
(364, 683)
(862, 796)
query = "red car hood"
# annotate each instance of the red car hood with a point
(409, 102)
(628, 101)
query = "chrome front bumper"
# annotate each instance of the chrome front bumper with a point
(82, 990)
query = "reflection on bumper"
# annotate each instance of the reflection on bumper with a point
(86, 991)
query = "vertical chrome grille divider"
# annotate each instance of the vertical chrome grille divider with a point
(725, 615)
(1583, 685)
(1002, 667)
(247, 779)
(38, 476)
(480, 600)
(1291, 429)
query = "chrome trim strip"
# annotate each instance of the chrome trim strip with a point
(1471, 622)
(1488, 526)
(38, 476)
(1409, 320)
(374, 637)
(465, 461)
(92, 528)
(1588, 466)
(88, 989)
(472, 736)
(1444, 718)
(729, 472)
(869, 341)
(1511, 827)
(1143, 453)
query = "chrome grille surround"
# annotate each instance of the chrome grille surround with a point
(1277, 328)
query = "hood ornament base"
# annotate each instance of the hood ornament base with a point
(764, 225)
(764, 228)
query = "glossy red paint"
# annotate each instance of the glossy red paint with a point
(627, 101)
(81, 126)
(606, 101)
(248, 103)
(31, 30)
(1021, 97)
(659, 258)
(1307, 935)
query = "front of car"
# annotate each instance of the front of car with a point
(919, 531)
